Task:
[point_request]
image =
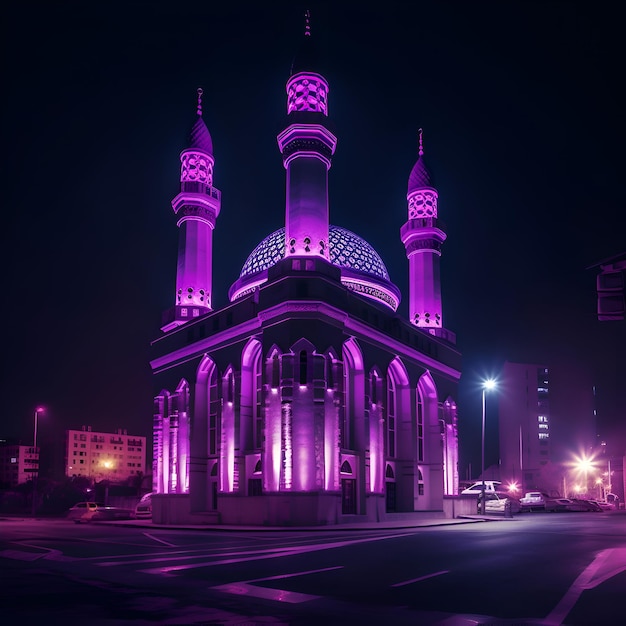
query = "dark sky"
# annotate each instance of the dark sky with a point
(523, 113)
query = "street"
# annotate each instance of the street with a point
(548, 569)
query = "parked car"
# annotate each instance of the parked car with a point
(586, 505)
(143, 510)
(477, 488)
(564, 504)
(83, 511)
(533, 500)
(604, 505)
(92, 511)
(498, 503)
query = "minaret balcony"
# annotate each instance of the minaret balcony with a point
(193, 186)
(422, 228)
(308, 137)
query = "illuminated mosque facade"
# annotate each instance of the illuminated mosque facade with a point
(307, 400)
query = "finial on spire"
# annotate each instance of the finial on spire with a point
(307, 23)
(421, 142)
(200, 92)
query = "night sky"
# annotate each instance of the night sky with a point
(522, 108)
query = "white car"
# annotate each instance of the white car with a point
(534, 500)
(83, 512)
(498, 503)
(491, 486)
(143, 510)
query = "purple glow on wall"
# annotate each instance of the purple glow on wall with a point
(286, 447)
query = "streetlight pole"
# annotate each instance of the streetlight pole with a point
(487, 385)
(35, 475)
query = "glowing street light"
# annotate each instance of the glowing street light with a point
(488, 385)
(583, 465)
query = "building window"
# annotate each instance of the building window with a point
(258, 402)
(420, 427)
(303, 366)
(391, 417)
(275, 371)
(213, 407)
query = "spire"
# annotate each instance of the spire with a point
(307, 57)
(200, 138)
(420, 175)
(199, 110)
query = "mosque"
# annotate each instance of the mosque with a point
(307, 400)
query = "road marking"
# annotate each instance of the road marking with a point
(416, 580)
(244, 588)
(311, 571)
(269, 554)
(167, 543)
(280, 595)
(608, 563)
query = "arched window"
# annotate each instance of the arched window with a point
(330, 375)
(420, 426)
(275, 371)
(230, 387)
(346, 468)
(257, 409)
(354, 393)
(391, 416)
(374, 388)
(213, 397)
(250, 409)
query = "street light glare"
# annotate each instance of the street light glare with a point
(489, 384)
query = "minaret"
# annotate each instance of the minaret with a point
(307, 147)
(422, 236)
(196, 207)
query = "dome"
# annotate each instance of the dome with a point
(362, 268)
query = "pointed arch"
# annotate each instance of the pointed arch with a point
(450, 441)
(273, 361)
(250, 411)
(375, 385)
(204, 424)
(272, 430)
(354, 393)
(303, 351)
(398, 419)
(179, 439)
(346, 468)
(431, 463)
(228, 434)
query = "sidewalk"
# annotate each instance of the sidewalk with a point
(384, 525)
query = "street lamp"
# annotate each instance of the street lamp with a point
(488, 385)
(38, 410)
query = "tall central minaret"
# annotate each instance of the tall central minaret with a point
(307, 147)
(196, 207)
(422, 236)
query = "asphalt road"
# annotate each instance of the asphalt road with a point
(547, 569)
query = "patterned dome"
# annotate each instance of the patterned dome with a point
(346, 250)
(362, 269)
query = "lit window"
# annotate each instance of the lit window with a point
(543, 435)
